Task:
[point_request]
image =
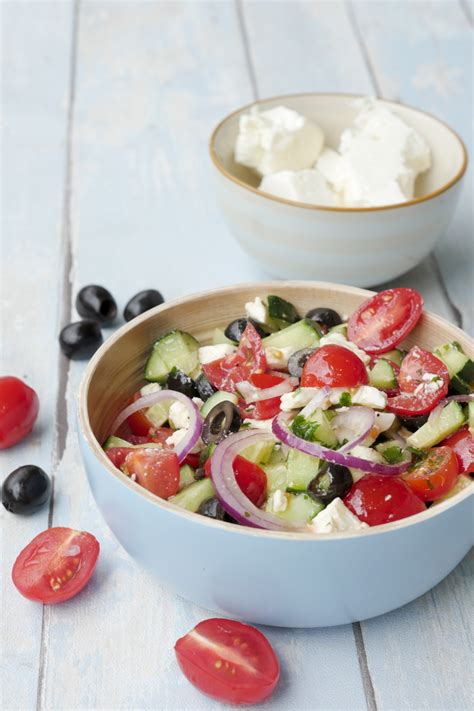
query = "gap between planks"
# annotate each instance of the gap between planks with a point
(64, 313)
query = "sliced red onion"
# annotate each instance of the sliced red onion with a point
(316, 401)
(228, 491)
(250, 393)
(282, 431)
(357, 422)
(194, 428)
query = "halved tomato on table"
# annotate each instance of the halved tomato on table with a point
(384, 320)
(56, 565)
(423, 381)
(434, 475)
(462, 444)
(334, 366)
(229, 661)
(249, 358)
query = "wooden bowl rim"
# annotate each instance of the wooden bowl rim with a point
(267, 286)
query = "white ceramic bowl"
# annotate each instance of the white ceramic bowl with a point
(361, 246)
(286, 579)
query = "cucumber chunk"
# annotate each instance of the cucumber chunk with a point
(382, 375)
(324, 432)
(176, 349)
(219, 337)
(219, 396)
(450, 419)
(277, 476)
(194, 495)
(114, 441)
(301, 508)
(281, 312)
(301, 470)
(470, 416)
(302, 334)
(395, 355)
(186, 476)
(259, 453)
(340, 328)
(460, 366)
(159, 412)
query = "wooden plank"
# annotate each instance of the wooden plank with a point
(422, 54)
(36, 44)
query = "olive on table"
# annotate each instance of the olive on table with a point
(96, 303)
(223, 419)
(141, 302)
(297, 361)
(182, 383)
(204, 387)
(236, 328)
(81, 339)
(333, 481)
(325, 318)
(26, 489)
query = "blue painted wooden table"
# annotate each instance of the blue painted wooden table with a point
(107, 107)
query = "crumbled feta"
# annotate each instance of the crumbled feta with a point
(277, 139)
(207, 354)
(431, 383)
(298, 398)
(336, 517)
(367, 453)
(339, 339)
(257, 310)
(370, 397)
(178, 415)
(198, 402)
(265, 425)
(150, 388)
(176, 438)
(278, 357)
(309, 186)
(277, 501)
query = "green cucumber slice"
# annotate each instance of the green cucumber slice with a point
(259, 453)
(194, 495)
(177, 349)
(302, 334)
(219, 337)
(382, 375)
(281, 312)
(301, 470)
(301, 508)
(450, 419)
(186, 476)
(114, 441)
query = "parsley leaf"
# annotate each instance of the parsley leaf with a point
(393, 455)
(345, 400)
(303, 428)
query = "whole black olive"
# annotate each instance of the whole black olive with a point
(223, 419)
(324, 318)
(81, 339)
(236, 328)
(141, 302)
(26, 489)
(204, 387)
(296, 362)
(177, 380)
(334, 481)
(96, 303)
(413, 423)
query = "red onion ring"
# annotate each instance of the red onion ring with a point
(350, 418)
(228, 491)
(250, 393)
(282, 432)
(195, 420)
(316, 401)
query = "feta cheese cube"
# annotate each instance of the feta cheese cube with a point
(278, 357)
(178, 415)
(207, 354)
(277, 502)
(257, 310)
(336, 517)
(150, 388)
(370, 397)
(309, 186)
(298, 398)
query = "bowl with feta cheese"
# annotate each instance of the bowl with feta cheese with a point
(271, 453)
(335, 186)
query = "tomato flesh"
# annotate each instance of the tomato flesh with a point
(263, 409)
(384, 320)
(377, 499)
(419, 392)
(19, 407)
(159, 435)
(251, 479)
(229, 661)
(334, 366)
(56, 565)
(118, 455)
(155, 469)
(462, 444)
(435, 475)
(249, 358)
(138, 421)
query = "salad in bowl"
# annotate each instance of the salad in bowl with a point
(315, 422)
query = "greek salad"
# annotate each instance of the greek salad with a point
(313, 423)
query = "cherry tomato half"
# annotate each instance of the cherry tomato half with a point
(423, 381)
(384, 320)
(335, 366)
(155, 469)
(251, 479)
(462, 443)
(263, 409)
(377, 499)
(56, 565)
(434, 475)
(19, 407)
(229, 661)
(138, 421)
(249, 358)
(118, 455)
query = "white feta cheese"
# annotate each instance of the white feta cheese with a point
(277, 502)
(277, 139)
(265, 425)
(336, 517)
(207, 354)
(369, 396)
(150, 388)
(298, 398)
(309, 186)
(176, 438)
(198, 402)
(257, 310)
(339, 339)
(178, 415)
(431, 383)
(278, 357)
(371, 455)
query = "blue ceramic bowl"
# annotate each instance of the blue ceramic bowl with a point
(284, 579)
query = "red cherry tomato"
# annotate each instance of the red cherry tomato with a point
(56, 565)
(249, 358)
(377, 499)
(335, 366)
(192, 460)
(229, 661)
(265, 380)
(118, 455)
(19, 407)
(155, 469)
(207, 467)
(251, 479)
(462, 443)
(434, 475)
(263, 409)
(138, 421)
(384, 320)
(159, 435)
(419, 393)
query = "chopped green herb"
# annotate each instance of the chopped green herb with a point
(246, 513)
(345, 400)
(393, 455)
(303, 428)
(417, 453)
